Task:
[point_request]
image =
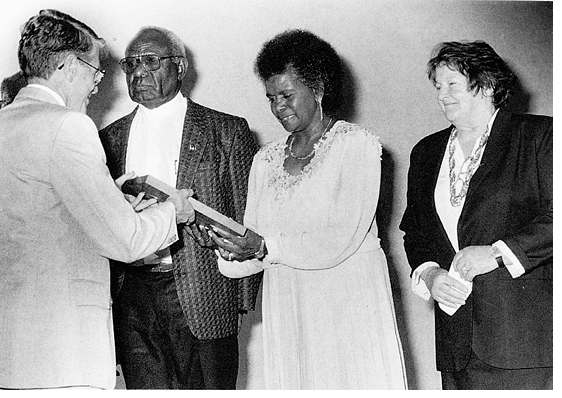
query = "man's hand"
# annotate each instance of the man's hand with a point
(201, 235)
(474, 260)
(138, 203)
(443, 288)
(185, 213)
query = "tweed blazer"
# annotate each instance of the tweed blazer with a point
(61, 218)
(215, 158)
(506, 321)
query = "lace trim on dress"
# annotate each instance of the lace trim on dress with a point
(274, 154)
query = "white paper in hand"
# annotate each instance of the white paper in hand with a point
(454, 274)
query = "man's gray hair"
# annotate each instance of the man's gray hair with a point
(176, 44)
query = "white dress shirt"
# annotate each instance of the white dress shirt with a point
(154, 148)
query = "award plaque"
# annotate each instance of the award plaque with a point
(204, 215)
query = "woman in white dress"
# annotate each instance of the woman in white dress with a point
(328, 315)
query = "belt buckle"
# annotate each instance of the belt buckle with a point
(165, 267)
(161, 267)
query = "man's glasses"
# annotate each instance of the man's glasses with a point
(98, 70)
(150, 62)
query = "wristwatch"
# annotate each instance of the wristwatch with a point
(497, 254)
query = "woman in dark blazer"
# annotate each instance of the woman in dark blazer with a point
(478, 226)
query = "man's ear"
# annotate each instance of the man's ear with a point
(69, 67)
(182, 68)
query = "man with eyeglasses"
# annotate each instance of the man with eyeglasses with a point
(177, 317)
(62, 216)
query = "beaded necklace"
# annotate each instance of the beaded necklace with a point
(313, 149)
(456, 199)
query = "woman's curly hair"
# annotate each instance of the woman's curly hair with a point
(481, 65)
(313, 60)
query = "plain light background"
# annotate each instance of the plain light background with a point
(385, 46)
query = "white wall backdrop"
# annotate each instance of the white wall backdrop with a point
(385, 45)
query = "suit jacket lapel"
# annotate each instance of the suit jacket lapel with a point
(496, 146)
(124, 141)
(194, 139)
(434, 160)
(115, 139)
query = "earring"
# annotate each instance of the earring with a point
(320, 106)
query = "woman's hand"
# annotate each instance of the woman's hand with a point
(443, 288)
(474, 260)
(232, 247)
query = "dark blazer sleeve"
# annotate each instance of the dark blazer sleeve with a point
(425, 238)
(241, 150)
(532, 242)
(510, 198)
(510, 195)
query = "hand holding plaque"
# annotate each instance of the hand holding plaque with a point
(204, 215)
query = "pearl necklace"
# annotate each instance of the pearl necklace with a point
(456, 199)
(313, 149)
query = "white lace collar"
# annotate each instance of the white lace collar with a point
(274, 154)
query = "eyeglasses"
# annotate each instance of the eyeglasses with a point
(98, 70)
(150, 62)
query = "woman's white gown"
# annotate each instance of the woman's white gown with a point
(328, 314)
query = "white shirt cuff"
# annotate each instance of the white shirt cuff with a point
(418, 285)
(236, 269)
(272, 250)
(514, 266)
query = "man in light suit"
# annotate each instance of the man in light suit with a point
(62, 216)
(479, 216)
(176, 317)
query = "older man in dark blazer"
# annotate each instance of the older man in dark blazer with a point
(490, 229)
(176, 318)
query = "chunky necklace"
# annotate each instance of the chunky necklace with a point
(456, 199)
(313, 149)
